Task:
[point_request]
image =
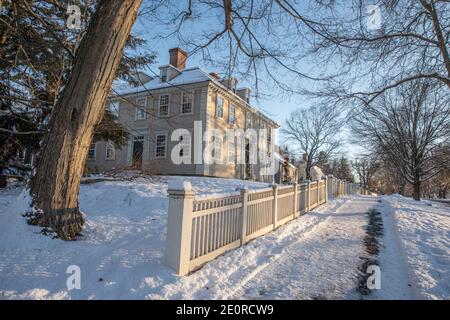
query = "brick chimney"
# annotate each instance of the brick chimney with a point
(178, 58)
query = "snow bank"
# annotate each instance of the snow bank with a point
(424, 232)
(121, 252)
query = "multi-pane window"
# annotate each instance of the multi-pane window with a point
(114, 107)
(217, 150)
(141, 105)
(231, 149)
(185, 151)
(232, 114)
(219, 107)
(161, 145)
(187, 102)
(164, 105)
(91, 152)
(248, 120)
(110, 151)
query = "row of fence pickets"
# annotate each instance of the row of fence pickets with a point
(219, 223)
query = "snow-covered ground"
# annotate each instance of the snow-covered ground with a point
(121, 253)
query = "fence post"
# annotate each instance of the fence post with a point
(318, 191)
(179, 226)
(308, 196)
(244, 195)
(275, 206)
(295, 199)
(330, 186)
(325, 191)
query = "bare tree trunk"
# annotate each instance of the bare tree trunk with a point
(416, 189)
(80, 106)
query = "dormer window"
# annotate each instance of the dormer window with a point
(163, 75)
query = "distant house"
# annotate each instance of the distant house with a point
(174, 99)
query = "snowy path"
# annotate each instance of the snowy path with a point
(321, 264)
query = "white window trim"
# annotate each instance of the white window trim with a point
(106, 151)
(192, 104)
(218, 141)
(247, 124)
(234, 114)
(168, 105)
(95, 151)
(137, 109)
(156, 145)
(223, 106)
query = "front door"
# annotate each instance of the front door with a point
(138, 148)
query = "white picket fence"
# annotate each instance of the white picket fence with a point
(201, 228)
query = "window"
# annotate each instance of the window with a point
(219, 107)
(141, 105)
(161, 141)
(187, 102)
(261, 124)
(164, 105)
(163, 75)
(114, 107)
(248, 120)
(110, 151)
(217, 150)
(186, 150)
(269, 140)
(232, 114)
(231, 149)
(91, 152)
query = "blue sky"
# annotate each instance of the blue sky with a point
(274, 102)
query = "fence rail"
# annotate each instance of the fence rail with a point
(200, 229)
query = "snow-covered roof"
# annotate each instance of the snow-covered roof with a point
(187, 76)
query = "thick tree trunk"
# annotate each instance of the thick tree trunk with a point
(79, 108)
(416, 189)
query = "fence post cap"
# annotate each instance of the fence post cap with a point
(274, 185)
(180, 187)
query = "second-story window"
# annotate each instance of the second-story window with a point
(248, 120)
(141, 105)
(219, 107)
(187, 102)
(232, 114)
(164, 105)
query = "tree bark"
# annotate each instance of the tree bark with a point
(81, 104)
(416, 189)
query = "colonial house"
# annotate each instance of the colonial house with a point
(179, 97)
